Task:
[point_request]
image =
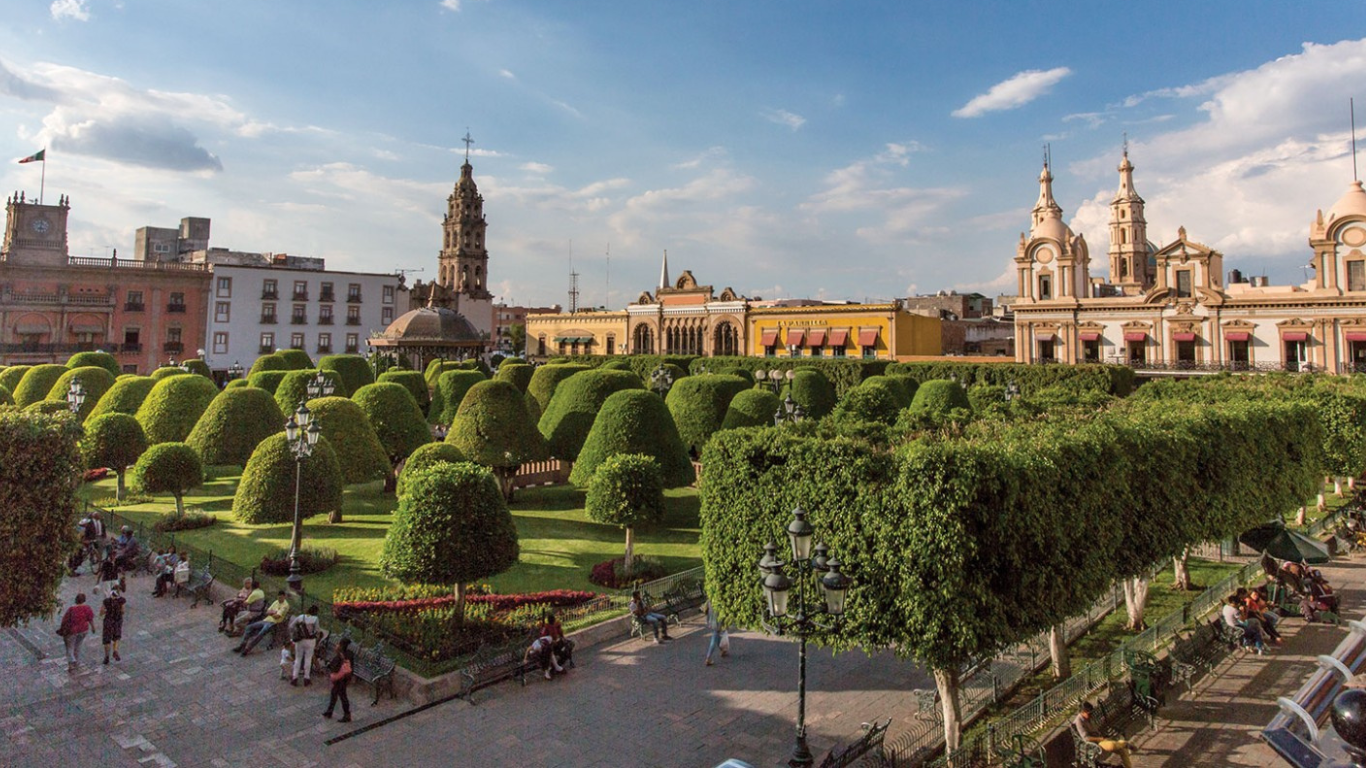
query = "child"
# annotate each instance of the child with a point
(286, 660)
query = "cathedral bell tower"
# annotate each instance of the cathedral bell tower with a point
(464, 261)
(1129, 249)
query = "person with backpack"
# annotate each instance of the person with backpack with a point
(340, 674)
(303, 630)
(75, 625)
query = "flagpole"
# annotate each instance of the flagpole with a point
(42, 183)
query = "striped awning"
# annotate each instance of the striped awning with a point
(1089, 335)
(816, 338)
(1237, 335)
(839, 337)
(1047, 336)
(794, 337)
(1136, 336)
(28, 330)
(1183, 336)
(1356, 336)
(867, 337)
(86, 328)
(573, 339)
(1294, 335)
(769, 338)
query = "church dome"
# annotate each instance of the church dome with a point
(1053, 227)
(431, 324)
(1353, 203)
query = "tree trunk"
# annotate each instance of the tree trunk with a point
(1337, 486)
(335, 516)
(1299, 516)
(629, 562)
(1351, 483)
(391, 479)
(1135, 600)
(119, 491)
(946, 680)
(460, 604)
(179, 506)
(1181, 571)
(1057, 648)
(1321, 505)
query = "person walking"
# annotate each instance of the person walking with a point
(73, 629)
(720, 639)
(107, 575)
(340, 674)
(303, 630)
(112, 612)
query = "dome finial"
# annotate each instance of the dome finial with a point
(468, 141)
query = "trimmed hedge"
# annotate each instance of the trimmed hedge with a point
(698, 405)
(844, 373)
(198, 367)
(413, 382)
(901, 389)
(450, 390)
(394, 415)
(569, 417)
(494, 429)
(813, 391)
(295, 359)
(236, 421)
(547, 377)
(167, 371)
(125, 396)
(635, 421)
(172, 468)
(5, 397)
(95, 380)
(102, 359)
(36, 383)
(236, 383)
(174, 406)
(939, 397)
(266, 493)
(426, 456)
(354, 371)
(751, 408)
(879, 404)
(348, 430)
(12, 375)
(293, 388)
(272, 362)
(50, 407)
(1117, 380)
(627, 491)
(517, 372)
(267, 380)
(640, 365)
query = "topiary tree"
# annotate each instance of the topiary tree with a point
(36, 383)
(452, 527)
(628, 491)
(565, 423)
(900, 388)
(741, 372)
(450, 390)
(293, 388)
(125, 396)
(413, 382)
(346, 427)
(266, 492)
(102, 359)
(172, 468)
(166, 372)
(354, 371)
(813, 391)
(11, 376)
(397, 421)
(879, 404)
(94, 380)
(494, 429)
(39, 457)
(235, 383)
(615, 365)
(173, 406)
(113, 440)
(295, 359)
(198, 367)
(546, 378)
(635, 421)
(271, 362)
(698, 405)
(5, 397)
(49, 407)
(236, 421)
(426, 456)
(516, 372)
(941, 397)
(267, 380)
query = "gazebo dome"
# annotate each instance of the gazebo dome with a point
(431, 324)
(1353, 203)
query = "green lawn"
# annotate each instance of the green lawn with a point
(560, 545)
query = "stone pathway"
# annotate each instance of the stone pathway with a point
(180, 698)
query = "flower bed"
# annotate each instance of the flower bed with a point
(613, 574)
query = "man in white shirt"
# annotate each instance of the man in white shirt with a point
(303, 630)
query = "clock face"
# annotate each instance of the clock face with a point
(41, 226)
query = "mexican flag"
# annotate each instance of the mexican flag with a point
(37, 157)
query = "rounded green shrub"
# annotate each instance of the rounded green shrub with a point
(698, 405)
(513, 360)
(267, 380)
(627, 491)
(125, 396)
(896, 386)
(426, 456)
(751, 408)
(877, 404)
(266, 493)
(95, 380)
(11, 376)
(394, 415)
(236, 421)
(166, 372)
(939, 397)
(575, 404)
(348, 430)
(413, 382)
(741, 372)
(813, 391)
(293, 388)
(547, 377)
(172, 468)
(450, 390)
(354, 371)
(174, 406)
(635, 421)
(908, 383)
(235, 383)
(36, 383)
(295, 359)
(615, 365)
(198, 367)
(494, 429)
(518, 373)
(50, 407)
(101, 359)
(5, 397)
(533, 408)
(271, 362)
(113, 440)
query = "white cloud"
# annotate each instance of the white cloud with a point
(867, 188)
(783, 117)
(451, 5)
(537, 168)
(70, 9)
(697, 161)
(1017, 91)
(507, 74)
(694, 201)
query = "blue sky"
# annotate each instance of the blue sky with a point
(846, 150)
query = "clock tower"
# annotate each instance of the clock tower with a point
(35, 234)
(463, 264)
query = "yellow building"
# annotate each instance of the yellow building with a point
(870, 331)
(586, 332)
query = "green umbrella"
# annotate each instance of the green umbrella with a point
(1284, 544)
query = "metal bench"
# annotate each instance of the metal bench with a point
(1023, 752)
(641, 628)
(1114, 714)
(372, 666)
(1197, 653)
(869, 744)
(493, 665)
(686, 596)
(198, 586)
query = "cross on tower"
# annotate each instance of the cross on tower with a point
(468, 141)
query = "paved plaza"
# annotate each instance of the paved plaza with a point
(180, 698)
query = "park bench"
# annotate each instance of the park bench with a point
(201, 581)
(372, 666)
(1022, 752)
(494, 664)
(639, 627)
(686, 596)
(326, 648)
(861, 750)
(1198, 652)
(1115, 714)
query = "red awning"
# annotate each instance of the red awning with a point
(1043, 336)
(1135, 336)
(1236, 335)
(1294, 335)
(770, 338)
(1356, 336)
(816, 338)
(1183, 336)
(1089, 336)
(867, 337)
(794, 337)
(839, 337)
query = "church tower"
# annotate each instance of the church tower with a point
(1129, 248)
(464, 261)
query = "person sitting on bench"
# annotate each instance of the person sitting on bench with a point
(278, 612)
(1255, 605)
(126, 550)
(1321, 591)
(232, 606)
(252, 610)
(1081, 724)
(656, 621)
(1250, 627)
(168, 560)
(561, 650)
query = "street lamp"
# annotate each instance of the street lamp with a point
(774, 378)
(662, 380)
(302, 432)
(1012, 390)
(802, 618)
(789, 411)
(235, 371)
(75, 395)
(319, 386)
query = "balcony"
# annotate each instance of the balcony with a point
(266, 349)
(352, 349)
(131, 306)
(327, 296)
(176, 309)
(298, 320)
(64, 348)
(353, 321)
(301, 296)
(270, 296)
(1203, 368)
(324, 349)
(325, 320)
(130, 346)
(353, 298)
(173, 347)
(268, 319)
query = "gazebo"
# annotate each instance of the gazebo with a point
(429, 333)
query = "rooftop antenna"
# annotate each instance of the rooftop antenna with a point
(468, 141)
(573, 282)
(1352, 108)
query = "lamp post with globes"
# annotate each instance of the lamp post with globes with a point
(75, 395)
(774, 378)
(661, 381)
(302, 433)
(789, 412)
(1012, 390)
(235, 371)
(803, 617)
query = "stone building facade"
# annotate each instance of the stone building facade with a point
(462, 273)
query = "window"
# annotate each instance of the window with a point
(353, 315)
(1090, 351)
(177, 303)
(300, 314)
(1183, 283)
(1138, 352)
(301, 290)
(132, 339)
(1296, 354)
(1356, 275)
(220, 343)
(296, 341)
(870, 353)
(270, 289)
(325, 314)
(268, 313)
(161, 247)
(222, 310)
(540, 346)
(325, 294)
(173, 334)
(1185, 351)
(1238, 354)
(1045, 286)
(133, 302)
(267, 343)
(353, 292)
(225, 287)
(388, 294)
(325, 342)
(818, 351)
(611, 345)
(1047, 354)
(837, 351)
(387, 316)
(352, 343)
